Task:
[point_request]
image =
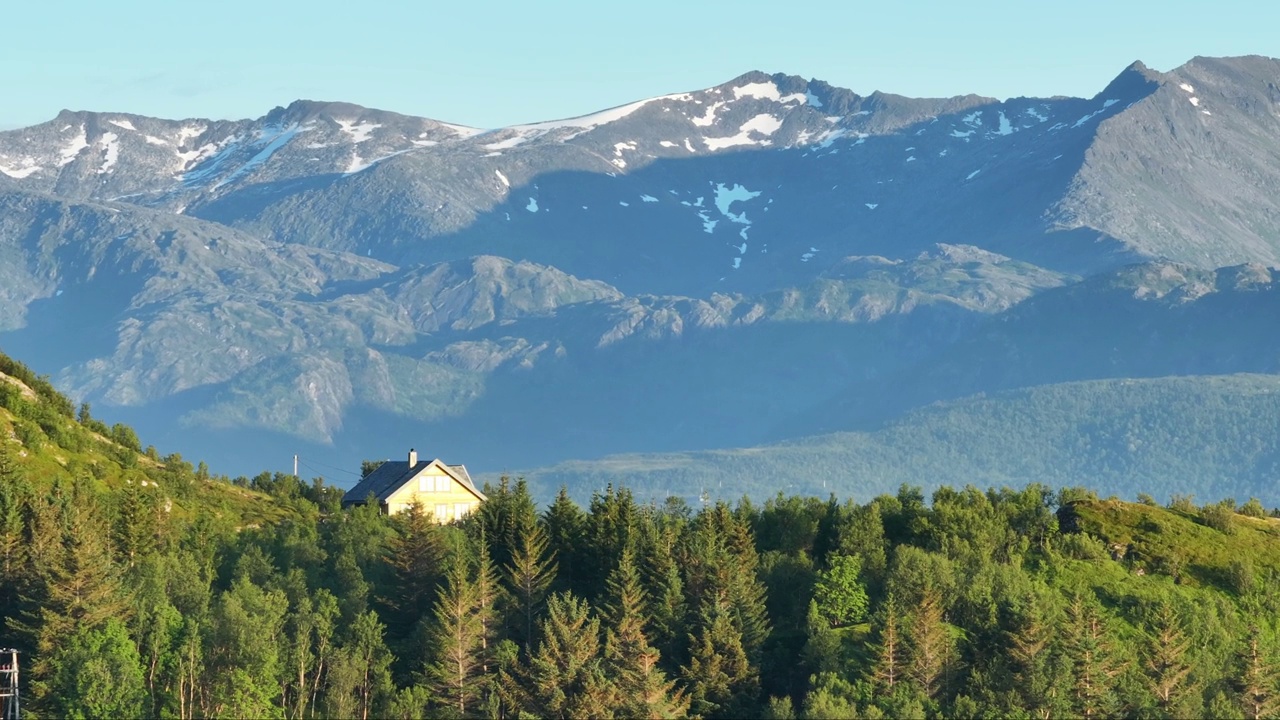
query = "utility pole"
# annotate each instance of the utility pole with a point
(10, 708)
(295, 467)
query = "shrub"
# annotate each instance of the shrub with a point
(1253, 508)
(1218, 516)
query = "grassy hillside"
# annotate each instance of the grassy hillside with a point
(46, 442)
(1207, 436)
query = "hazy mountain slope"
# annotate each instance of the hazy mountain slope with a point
(1209, 436)
(722, 267)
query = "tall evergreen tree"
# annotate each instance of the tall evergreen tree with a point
(632, 663)
(1094, 667)
(722, 681)
(416, 558)
(489, 597)
(665, 589)
(929, 646)
(1256, 678)
(530, 573)
(565, 677)
(1034, 660)
(1166, 662)
(457, 636)
(890, 655)
(77, 585)
(566, 528)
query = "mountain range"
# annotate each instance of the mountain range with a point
(771, 263)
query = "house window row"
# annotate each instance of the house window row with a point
(460, 510)
(436, 483)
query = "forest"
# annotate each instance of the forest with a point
(139, 585)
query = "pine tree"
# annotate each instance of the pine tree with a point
(566, 677)
(531, 571)
(643, 688)
(504, 516)
(457, 636)
(1166, 663)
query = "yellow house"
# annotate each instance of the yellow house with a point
(445, 492)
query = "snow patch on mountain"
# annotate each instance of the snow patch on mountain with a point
(507, 144)
(763, 124)
(358, 130)
(28, 167)
(123, 124)
(1006, 127)
(111, 152)
(273, 138)
(708, 117)
(71, 151)
(502, 177)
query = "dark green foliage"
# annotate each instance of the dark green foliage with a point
(188, 596)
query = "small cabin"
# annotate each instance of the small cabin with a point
(445, 492)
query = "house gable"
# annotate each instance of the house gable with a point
(444, 492)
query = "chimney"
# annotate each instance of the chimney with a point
(413, 457)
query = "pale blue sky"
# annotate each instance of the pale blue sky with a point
(498, 63)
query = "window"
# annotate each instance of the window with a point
(460, 510)
(442, 511)
(442, 484)
(424, 484)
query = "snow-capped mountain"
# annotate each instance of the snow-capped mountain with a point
(734, 257)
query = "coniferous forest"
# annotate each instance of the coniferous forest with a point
(136, 585)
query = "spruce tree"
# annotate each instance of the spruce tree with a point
(722, 681)
(632, 663)
(1166, 663)
(929, 651)
(1256, 678)
(77, 584)
(1034, 661)
(416, 559)
(457, 635)
(566, 677)
(1093, 665)
(531, 571)
(664, 586)
(890, 655)
(566, 525)
(489, 596)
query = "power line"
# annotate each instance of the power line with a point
(337, 469)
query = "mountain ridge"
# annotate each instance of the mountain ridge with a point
(752, 258)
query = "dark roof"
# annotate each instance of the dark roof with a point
(393, 474)
(380, 483)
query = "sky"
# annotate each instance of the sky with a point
(490, 64)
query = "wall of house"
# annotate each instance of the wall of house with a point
(442, 497)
